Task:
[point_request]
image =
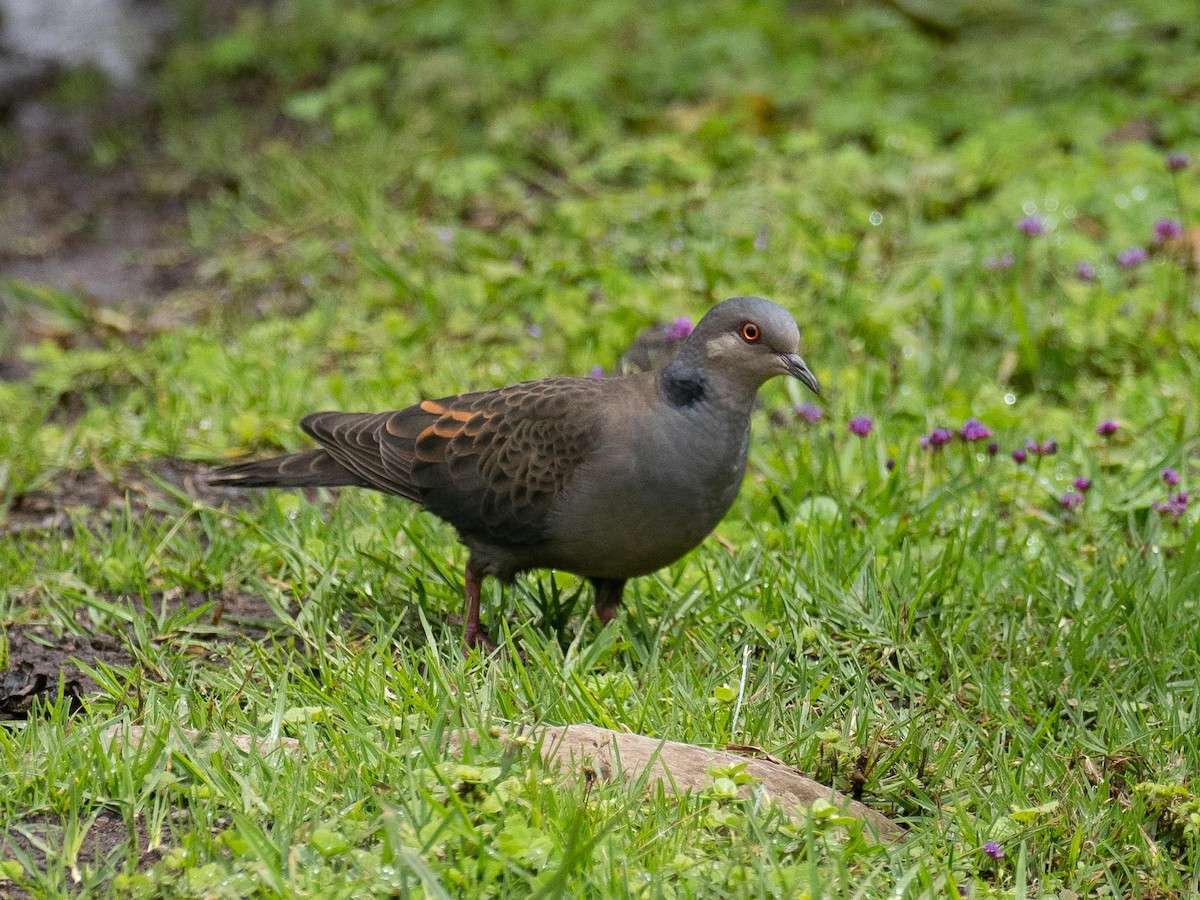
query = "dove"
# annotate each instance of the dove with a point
(607, 478)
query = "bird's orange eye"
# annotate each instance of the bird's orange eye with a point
(750, 333)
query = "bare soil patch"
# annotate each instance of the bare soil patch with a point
(106, 835)
(98, 495)
(39, 662)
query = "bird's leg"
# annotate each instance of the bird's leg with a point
(473, 633)
(608, 597)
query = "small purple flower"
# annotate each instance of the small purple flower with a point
(810, 413)
(1167, 230)
(1083, 485)
(1171, 477)
(1177, 162)
(1085, 271)
(993, 448)
(1070, 500)
(679, 329)
(999, 263)
(974, 430)
(1107, 428)
(535, 331)
(1132, 258)
(1048, 447)
(963, 890)
(937, 439)
(860, 425)
(1019, 456)
(1175, 506)
(1031, 226)
(994, 850)
(890, 463)
(597, 372)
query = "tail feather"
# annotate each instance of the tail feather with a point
(313, 468)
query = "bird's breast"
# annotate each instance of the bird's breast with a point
(651, 501)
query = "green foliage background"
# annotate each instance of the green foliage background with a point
(388, 196)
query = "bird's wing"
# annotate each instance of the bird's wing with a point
(490, 463)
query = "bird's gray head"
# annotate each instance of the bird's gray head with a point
(746, 340)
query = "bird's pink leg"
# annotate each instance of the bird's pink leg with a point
(473, 633)
(608, 597)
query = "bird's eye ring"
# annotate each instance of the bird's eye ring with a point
(750, 333)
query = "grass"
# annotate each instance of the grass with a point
(391, 197)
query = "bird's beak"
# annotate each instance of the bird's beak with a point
(797, 368)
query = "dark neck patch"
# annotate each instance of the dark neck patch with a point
(683, 390)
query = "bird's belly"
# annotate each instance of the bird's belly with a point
(638, 526)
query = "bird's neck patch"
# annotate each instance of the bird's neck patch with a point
(683, 389)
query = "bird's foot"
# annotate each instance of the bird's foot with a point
(475, 638)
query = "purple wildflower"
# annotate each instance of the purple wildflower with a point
(1132, 258)
(1070, 500)
(1171, 477)
(999, 263)
(974, 430)
(1177, 162)
(1083, 485)
(993, 448)
(1175, 506)
(1048, 447)
(679, 329)
(937, 439)
(1167, 230)
(810, 413)
(994, 850)
(860, 425)
(1085, 271)
(1019, 456)
(890, 463)
(1107, 428)
(1031, 226)
(597, 372)
(535, 331)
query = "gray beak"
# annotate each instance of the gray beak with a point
(797, 368)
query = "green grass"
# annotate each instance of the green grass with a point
(392, 196)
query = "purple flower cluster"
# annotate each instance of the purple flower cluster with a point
(936, 439)
(679, 329)
(993, 849)
(1177, 162)
(1081, 484)
(1048, 447)
(860, 425)
(1085, 271)
(810, 413)
(974, 430)
(1132, 258)
(1167, 230)
(1107, 428)
(1176, 504)
(1031, 226)
(1071, 500)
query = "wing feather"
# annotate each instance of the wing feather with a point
(491, 463)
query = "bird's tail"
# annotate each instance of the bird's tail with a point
(313, 468)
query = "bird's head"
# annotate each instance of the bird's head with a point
(748, 340)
